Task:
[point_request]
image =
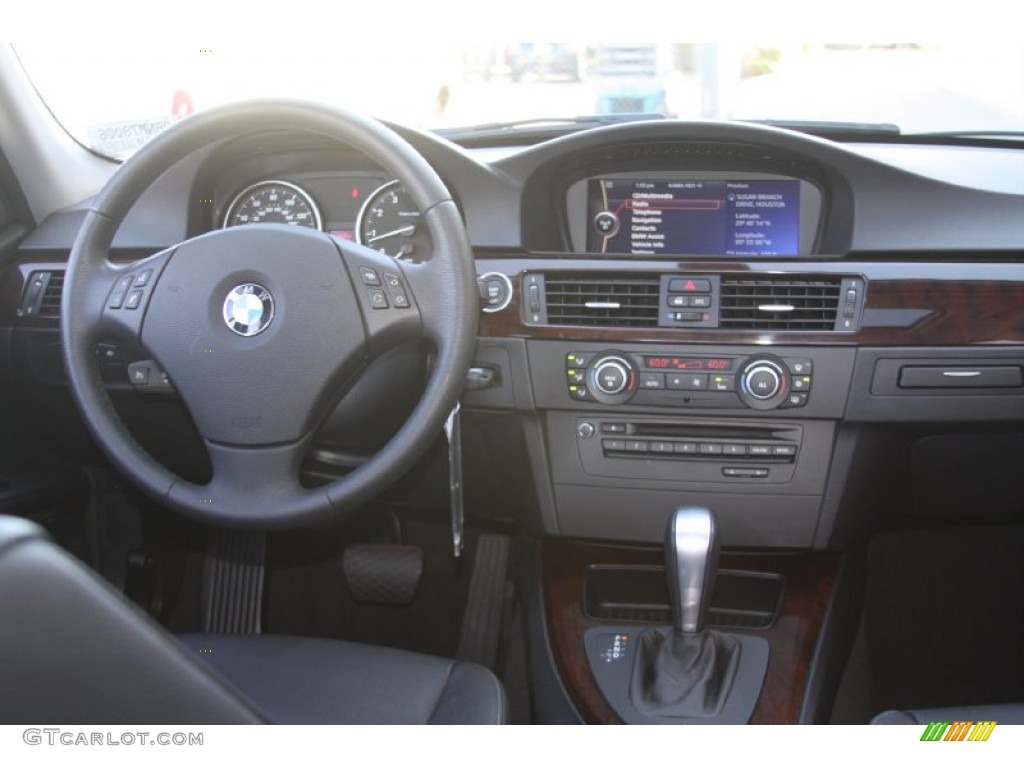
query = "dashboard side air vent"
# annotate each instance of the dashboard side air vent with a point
(43, 294)
(629, 301)
(780, 304)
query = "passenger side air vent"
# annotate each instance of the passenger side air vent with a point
(43, 294)
(780, 304)
(629, 301)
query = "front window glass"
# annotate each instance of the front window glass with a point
(113, 100)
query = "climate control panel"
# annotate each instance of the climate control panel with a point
(759, 381)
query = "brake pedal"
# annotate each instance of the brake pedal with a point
(386, 574)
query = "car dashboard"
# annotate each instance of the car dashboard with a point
(706, 311)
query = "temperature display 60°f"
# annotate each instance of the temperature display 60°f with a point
(668, 363)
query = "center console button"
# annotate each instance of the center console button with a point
(710, 449)
(610, 378)
(695, 381)
(762, 383)
(720, 383)
(686, 448)
(652, 381)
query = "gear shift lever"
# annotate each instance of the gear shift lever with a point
(691, 562)
(685, 673)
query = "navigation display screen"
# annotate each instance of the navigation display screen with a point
(756, 217)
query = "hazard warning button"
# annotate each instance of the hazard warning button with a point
(689, 285)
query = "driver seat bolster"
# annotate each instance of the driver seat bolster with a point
(306, 680)
(73, 651)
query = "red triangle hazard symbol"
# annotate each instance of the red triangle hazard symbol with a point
(689, 286)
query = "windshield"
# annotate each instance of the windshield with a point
(114, 100)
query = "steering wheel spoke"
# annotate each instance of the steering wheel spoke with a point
(252, 486)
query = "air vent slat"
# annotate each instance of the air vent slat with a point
(780, 304)
(606, 301)
(49, 305)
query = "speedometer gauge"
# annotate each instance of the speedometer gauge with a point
(273, 202)
(391, 223)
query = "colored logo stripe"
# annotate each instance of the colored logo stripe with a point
(961, 730)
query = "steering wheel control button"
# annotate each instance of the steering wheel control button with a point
(138, 374)
(248, 309)
(378, 299)
(133, 300)
(146, 376)
(399, 296)
(126, 283)
(369, 276)
(109, 353)
(143, 278)
(116, 300)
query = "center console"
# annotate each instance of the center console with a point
(636, 430)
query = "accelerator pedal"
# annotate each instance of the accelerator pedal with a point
(481, 625)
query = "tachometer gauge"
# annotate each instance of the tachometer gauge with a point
(273, 202)
(391, 223)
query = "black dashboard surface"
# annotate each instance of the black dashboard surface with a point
(894, 199)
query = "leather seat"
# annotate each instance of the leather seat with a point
(1004, 714)
(74, 651)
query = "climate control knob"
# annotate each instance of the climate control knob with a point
(612, 378)
(764, 383)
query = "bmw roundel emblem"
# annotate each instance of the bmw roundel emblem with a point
(248, 309)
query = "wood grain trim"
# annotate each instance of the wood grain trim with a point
(809, 583)
(907, 303)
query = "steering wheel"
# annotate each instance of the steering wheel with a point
(262, 329)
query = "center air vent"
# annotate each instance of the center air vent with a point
(610, 300)
(783, 304)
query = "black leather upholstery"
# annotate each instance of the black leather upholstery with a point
(1004, 714)
(303, 680)
(73, 651)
